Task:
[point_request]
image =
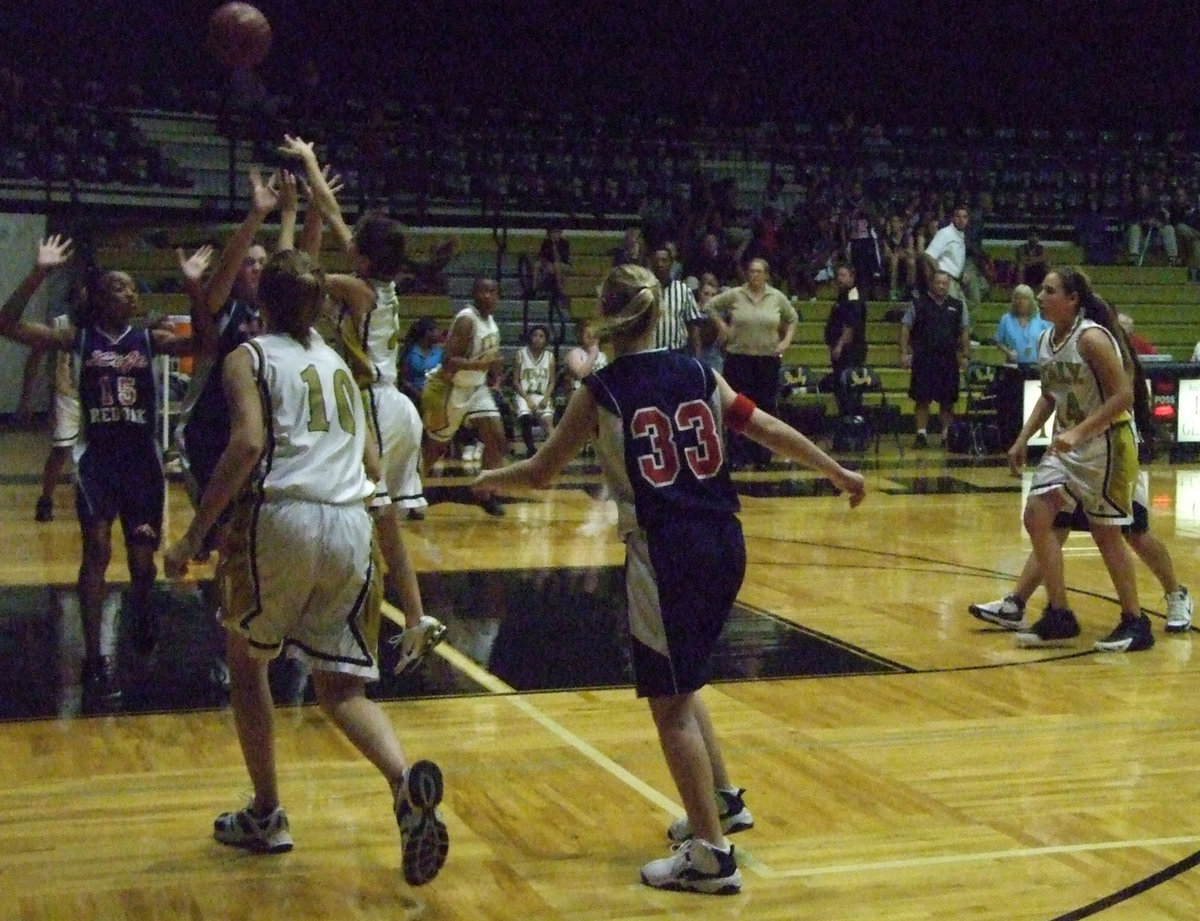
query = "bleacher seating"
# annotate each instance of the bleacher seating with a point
(1160, 299)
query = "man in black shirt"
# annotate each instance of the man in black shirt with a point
(935, 342)
(845, 332)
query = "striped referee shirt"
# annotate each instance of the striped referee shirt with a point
(678, 310)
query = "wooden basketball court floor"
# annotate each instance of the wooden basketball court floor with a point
(902, 760)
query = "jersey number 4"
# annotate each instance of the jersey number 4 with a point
(661, 465)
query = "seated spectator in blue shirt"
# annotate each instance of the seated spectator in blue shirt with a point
(420, 354)
(1019, 329)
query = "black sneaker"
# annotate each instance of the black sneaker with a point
(44, 510)
(423, 836)
(101, 692)
(1055, 626)
(1133, 634)
(921, 441)
(1008, 612)
(493, 507)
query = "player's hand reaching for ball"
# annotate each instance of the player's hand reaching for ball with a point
(299, 148)
(53, 252)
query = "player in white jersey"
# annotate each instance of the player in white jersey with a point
(367, 327)
(1009, 612)
(458, 392)
(304, 570)
(533, 383)
(1092, 458)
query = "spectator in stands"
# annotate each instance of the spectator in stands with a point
(676, 329)
(420, 354)
(708, 258)
(553, 267)
(845, 333)
(948, 250)
(632, 250)
(1091, 233)
(1032, 264)
(1146, 215)
(711, 349)
(935, 342)
(1186, 217)
(817, 249)
(901, 256)
(1019, 329)
(1139, 345)
(757, 323)
(862, 247)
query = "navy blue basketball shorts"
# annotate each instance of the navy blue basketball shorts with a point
(125, 484)
(682, 580)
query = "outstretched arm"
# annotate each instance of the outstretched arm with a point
(781, 438)
(573, 431)
(52, 252)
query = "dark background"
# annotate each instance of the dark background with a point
(1120, 65)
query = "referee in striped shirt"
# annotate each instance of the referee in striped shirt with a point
(679, 316)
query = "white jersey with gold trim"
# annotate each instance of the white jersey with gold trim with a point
(485, 337)
(316, 426)
(381, 331)
(534, 372)
(1067, 377)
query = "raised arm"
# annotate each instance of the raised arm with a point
(52, 252)
(192, 268)
(288, 206)
(263, 200)
(320, 191)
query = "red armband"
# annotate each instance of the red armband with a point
(737, 417)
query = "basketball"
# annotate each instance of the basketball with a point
(239, 35)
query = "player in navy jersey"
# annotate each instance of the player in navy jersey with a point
(117, 455)
(658, 420)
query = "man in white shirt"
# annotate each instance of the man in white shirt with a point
(948, 249)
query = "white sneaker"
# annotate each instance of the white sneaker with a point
(1179, 610)
(267, 834)
(695, 866)
(416, 642)
(1008, 612)
(733, 813)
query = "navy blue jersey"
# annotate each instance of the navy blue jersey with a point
(206, 431)
(661, 438)
(118, 393)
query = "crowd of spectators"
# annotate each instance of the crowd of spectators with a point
(54, 133)
(799, 194)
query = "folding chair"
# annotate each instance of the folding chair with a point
(801, 401)
(870, 413)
